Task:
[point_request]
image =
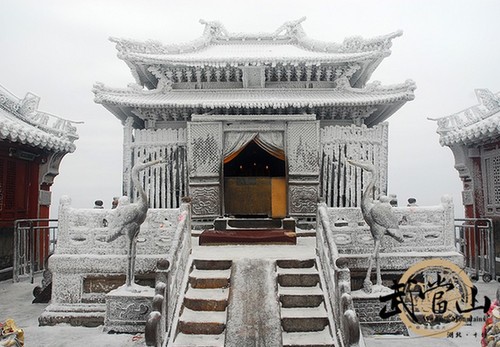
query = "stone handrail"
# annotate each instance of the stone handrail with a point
(426, 229)
(170, 274)
(338, 281)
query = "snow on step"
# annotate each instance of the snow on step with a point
(210, 273)
(297, 271)
(312, 338)
(207, 293)
(300, 290)
(197, 340)
(203, 316)
(304, 312)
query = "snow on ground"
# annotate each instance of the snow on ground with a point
(15, 303)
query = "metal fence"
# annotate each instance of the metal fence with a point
(34, 241)
(475, 239)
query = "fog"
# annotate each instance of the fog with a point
(59, 49)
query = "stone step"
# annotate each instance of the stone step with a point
(210, 299)
(303, 319)
(295, 263)
(316, 290)
(209, 278)
(202, 322)
(199, 340)
(208, 264)
(320, 338)
(300, 296)
(254, 223)
(288, 301)
(298, 280)
(297, 271)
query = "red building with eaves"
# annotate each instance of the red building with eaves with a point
(473, 136)
(32, 145)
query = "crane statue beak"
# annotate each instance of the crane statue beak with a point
(362, 164)
(141, 166)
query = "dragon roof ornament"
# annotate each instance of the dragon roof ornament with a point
(22, 121)
(473, 124)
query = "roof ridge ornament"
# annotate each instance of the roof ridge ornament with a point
(293, 29)
(488, 101)
(489, 105)
(379, 43)
(214, 29)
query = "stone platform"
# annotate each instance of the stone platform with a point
(368, 307)
(127, 311)
(248, 236)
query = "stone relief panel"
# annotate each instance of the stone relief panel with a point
(303, 147)
(303, 199)
(204, 148)
(205, 200)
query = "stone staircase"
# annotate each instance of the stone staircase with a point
(304, 317)
(203, 315)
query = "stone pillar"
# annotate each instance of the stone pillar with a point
(302, 152)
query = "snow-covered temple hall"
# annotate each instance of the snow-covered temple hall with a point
(264, 138)
(255, 124)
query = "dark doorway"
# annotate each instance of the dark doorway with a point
(255, 184)
(253, 161)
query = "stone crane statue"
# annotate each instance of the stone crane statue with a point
(127, 220)
(380, 218)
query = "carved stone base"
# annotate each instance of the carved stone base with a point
(368, 308)
(87, 315)
(126, 311)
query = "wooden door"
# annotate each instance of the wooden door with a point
(255, 184)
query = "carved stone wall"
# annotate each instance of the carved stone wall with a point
(205, 161)
(85, 267)
(302, 139)
(342, 184)
(427, 231)
(83, 252)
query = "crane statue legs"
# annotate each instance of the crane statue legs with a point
(380, 218)
(127, 220)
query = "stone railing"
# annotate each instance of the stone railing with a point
(338, 281)
(170, 274)
(85, 267)
(427, 231)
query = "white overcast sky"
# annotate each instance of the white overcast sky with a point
(59, 49)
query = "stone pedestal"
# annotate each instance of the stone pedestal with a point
(368, 307)
(127, 311)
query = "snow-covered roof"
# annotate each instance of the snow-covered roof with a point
(475, 125)
(21, 122)
(287, 45)
(342, 95)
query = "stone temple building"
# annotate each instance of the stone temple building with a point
(264, 128)
(255, 124)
